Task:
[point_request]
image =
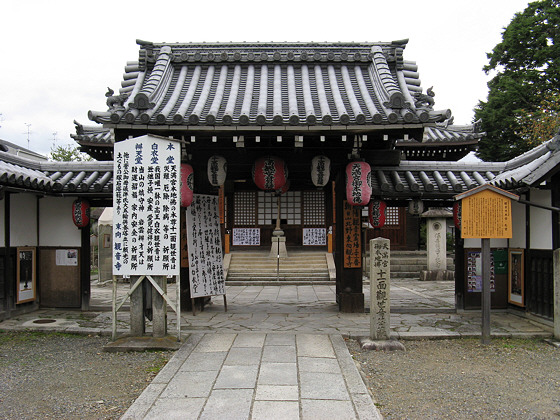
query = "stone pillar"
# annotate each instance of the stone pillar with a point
(380, 283)
(278, 247)
(159, 308)
(556, 271)
(137, 326)
(436, 243)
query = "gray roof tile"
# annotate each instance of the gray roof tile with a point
(269, 84)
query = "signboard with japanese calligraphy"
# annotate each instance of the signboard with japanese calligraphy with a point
(205, 247)
(314, 236)
(146, 206)
(486, 213)
(246, 236)
(352, 236)
(380, 302)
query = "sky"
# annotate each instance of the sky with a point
(58, 57)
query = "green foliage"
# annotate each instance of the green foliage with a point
(527, 67)
(68, 154)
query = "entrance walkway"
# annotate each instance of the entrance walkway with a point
(278, 353)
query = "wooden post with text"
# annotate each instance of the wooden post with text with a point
(486, 214)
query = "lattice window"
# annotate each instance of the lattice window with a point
(392, 216)
(290, 208)
(313, 208)
(244, 208)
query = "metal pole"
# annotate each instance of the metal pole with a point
(486, 295)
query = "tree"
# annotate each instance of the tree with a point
(68, 154)
(527, 67)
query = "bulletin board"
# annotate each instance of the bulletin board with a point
(26, 274)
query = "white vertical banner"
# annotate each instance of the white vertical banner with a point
(146, 203)
(205, 247)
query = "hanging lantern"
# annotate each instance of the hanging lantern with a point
(285, 188)
(320, 170)
(270, 173)
(187, 184)
(80, 212)
(457, 214)
(358, 183)
(217, 170)
(416, 207)
(376, 213)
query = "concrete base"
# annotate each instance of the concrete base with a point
(437, 275)
(126, 344)
(385, 345)
(351, 302)
(278, 247)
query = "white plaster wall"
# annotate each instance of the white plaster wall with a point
(23, 220)
(540, 221)
(55, 222)
(477, 243)
(518, 213)
(2, 223)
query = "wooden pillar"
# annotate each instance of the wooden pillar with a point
(85, 268)
(349, 293)
(460, 288)
(159, 308)
(137, 326)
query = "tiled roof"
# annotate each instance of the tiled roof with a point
(441, 142)
(532, 167)
(275, 84)
(80, 178)
(437, 180)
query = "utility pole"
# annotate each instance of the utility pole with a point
(28, 133)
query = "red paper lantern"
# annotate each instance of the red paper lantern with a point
(80, 212)
(285, 188)
(320, 170)
(270, 173)
(358, 183)
(376, 213)
(187, 184)
(457, 214)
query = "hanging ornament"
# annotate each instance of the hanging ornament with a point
(457, 214)
(270, 173)
(320, 170)
(80, 212)
(376, 213)
(416, 207)
(358, 183)
(285, 188)
(187, 184)
(217, 170)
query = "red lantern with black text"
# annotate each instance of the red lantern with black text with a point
(358, 183)
(80, 212)
(187, 184)
(376, 213)
(270, 173)
(457, 216)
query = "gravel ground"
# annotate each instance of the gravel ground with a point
(462, 379)
(52, 375)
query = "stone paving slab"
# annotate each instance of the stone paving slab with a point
(262, 390)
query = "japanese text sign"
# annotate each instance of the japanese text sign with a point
(146, 207)
(486, 213)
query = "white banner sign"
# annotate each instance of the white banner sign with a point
(205, 247)
(246, 236)
(314, 236)
(146, 206)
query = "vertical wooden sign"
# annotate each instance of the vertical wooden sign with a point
(352, 237)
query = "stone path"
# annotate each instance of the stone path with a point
(257, 376)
